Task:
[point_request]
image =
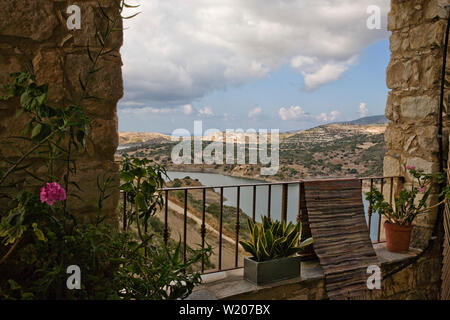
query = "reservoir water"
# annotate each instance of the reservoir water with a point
(246, 200)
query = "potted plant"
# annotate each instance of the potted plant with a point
(399, 217)
(272, 247)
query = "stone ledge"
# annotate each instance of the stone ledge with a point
(231, 285)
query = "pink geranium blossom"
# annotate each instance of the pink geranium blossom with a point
(410, 168)
(52, 192)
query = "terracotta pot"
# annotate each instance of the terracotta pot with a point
(397, 237)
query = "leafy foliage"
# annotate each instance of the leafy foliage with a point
(274, 240)
(406, 206)
(38, 241)
(142, 181)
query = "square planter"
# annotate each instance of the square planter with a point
(265, 272)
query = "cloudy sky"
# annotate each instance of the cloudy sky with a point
(281, 64)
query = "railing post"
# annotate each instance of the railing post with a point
(124, 211)
(391, 193)
(237, 226)
(284, 202)
(185, 225)
(379, 215)
(203, 228)
(220, 228)
(269, 200)
(369, 211)
(166, 214)
(300, 200)
(254, 204)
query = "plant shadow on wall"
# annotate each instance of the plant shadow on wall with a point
(40, 238)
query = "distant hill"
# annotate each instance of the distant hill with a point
(332, 150)
(128, 138)
(380, 119)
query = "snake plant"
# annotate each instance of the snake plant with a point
(274, 240)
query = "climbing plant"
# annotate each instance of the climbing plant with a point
(39, 236)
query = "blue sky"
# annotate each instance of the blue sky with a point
(258, 81)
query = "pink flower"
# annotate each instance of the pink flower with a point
(52, 192)
(422, 189)
(410, 168)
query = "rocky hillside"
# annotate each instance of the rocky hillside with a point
(130, 138)
(334, 150)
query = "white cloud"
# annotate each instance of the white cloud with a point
(293, 113)
(187, 109)
(206, 111)
(254, 112)
(297, 113)
(323, 75)
(177, 51)
(332, 116)
(302, 61)
(363, 110)
(145, 110)
(335, 115)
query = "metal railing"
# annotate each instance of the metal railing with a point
(378, 183)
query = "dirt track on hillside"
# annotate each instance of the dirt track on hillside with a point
(194, 239)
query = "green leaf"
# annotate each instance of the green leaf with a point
(38, 232)
(130, 6)
(132, 16)
(248, 247)
(127, 176)
(14, 285)
(41, 99)
(306, 242)
(25, 100)
(36, 130)
(140, 201)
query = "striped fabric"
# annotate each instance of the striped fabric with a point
(341, 239)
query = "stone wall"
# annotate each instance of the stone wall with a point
(414, 278)
(34, 36)
(412, 275)
(414, 77)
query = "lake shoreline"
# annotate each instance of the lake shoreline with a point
(218, 171)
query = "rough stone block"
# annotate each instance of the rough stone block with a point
(420, 163)
(427, 35)
(404, 13)
(393, 137)
(48, 68)
(427, 138)
(418, 107)
(9, 64)
(105, 137)
(86, 176)
(435, 9)
(396, 74)
(391, 166)
(34, 20)
(106, 84)
(93, 22)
